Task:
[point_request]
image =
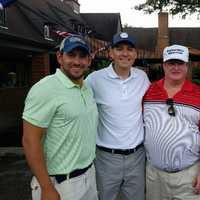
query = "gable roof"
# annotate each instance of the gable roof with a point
(146, 38)
(105, 24)
(185, 36)
(26, 20)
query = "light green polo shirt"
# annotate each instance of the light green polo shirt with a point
(69, 114)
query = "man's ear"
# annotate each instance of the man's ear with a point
(59, 57)
(110, 53)
(90, 60)
(136, 54)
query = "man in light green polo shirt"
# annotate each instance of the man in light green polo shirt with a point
(60, 123)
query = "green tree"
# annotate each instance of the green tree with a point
(183, 7)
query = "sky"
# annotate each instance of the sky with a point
(132, 17)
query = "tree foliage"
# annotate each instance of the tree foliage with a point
(183, 7)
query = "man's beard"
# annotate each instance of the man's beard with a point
(72, 77)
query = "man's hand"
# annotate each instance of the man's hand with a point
(196, 184)
(50, 193)
(32, 143)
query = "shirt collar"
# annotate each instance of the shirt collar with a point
(187, 86)
(112, 74)
(66, 81)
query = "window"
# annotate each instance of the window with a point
(79, 28)
(14, 74)
(3, 17)
(83, 30)
(75, 27)
(46, 32)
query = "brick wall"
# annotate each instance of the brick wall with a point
(40, 67)
(163, 33)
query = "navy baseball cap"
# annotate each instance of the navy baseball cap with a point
(74, 41)
(122, 37)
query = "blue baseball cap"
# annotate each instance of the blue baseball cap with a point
(122, 37)
(74, 41)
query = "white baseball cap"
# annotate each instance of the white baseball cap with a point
(176, 52)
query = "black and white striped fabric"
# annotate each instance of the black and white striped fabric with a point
(172, 142)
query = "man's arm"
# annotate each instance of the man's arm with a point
(32, 136)
(196, 184)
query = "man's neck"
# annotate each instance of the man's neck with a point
(122, 72)
(78, 82)
(172, 87)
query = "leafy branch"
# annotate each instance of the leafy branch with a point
(183, 7)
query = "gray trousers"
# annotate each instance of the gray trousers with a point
(120, 174)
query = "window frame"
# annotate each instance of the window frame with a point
(3, 18)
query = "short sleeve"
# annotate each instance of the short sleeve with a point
(39, 108)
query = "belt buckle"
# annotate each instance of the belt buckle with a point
(68, 176)
(127, 151)
(61, 178)
(171, 171)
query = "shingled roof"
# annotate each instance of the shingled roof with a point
(25, 22)
(185, 36)
(105, 24)
(146, 38)
(26, 19)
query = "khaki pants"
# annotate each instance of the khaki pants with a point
(79, 188)
(162, 185)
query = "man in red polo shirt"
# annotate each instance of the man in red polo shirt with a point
(172, 124)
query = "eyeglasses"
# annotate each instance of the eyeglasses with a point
(171, 109)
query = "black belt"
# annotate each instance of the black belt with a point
(62, 177)
(120, 151)
(172, 170)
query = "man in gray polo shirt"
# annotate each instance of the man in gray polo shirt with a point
(60, 122)
(118, 91)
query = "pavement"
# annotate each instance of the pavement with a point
(14, 174)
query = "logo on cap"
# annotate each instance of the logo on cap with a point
(172, 51)
(177, 52)
(123, 35)
(76, 39)
(73, 41)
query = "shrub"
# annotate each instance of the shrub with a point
(196, 75)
